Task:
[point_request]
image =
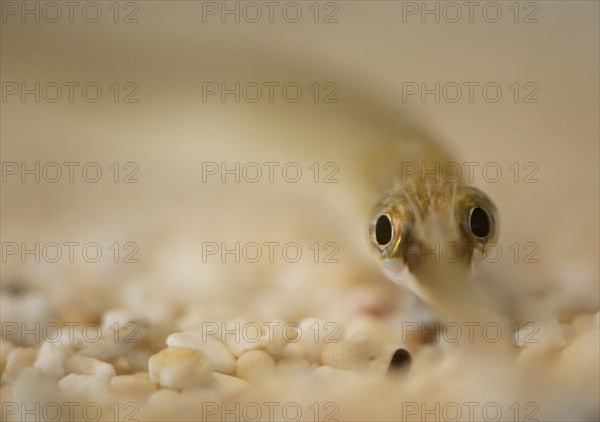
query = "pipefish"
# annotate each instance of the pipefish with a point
(386, 160)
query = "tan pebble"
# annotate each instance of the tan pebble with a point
(343, 356)
(292, 366)
(132, 386)
(51, 360)
(18, 359)
(222, 358)
(6, 348)
(255, 365)
(582, 323)
(2, 365)
(179, 367)
(76, 311)
(142, 374)
(315, 333)
(6, 393)
(121, 365)
(84, 365)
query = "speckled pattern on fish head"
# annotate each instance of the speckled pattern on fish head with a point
(428, 225)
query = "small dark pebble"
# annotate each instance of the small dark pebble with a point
(13, 287)
(400, 361)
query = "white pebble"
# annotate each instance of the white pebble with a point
(549, 334)
(106, 347)
(29, 309)
(84, 365)
(180, 367)
(228, 386)
(367, 333)
(293, 350)
(255, 365)
(18, 359)
(115, 320)
(315, 333)
(80, 386)
(121, 330)
(216, 351)
(34, 386)
(238, 348)
(162, 398)
(276, 336)
(240, 336)
(343, 356)
(132, 386)
(51, 360)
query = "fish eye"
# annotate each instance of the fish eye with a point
(383, 230)
(479, 222)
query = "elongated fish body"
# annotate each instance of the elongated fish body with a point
(391, 182)
(392, 203)
(389, 201)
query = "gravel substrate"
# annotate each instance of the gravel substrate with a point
(129, 367)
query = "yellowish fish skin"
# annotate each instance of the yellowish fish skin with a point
(397, 171)
(389, 166)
